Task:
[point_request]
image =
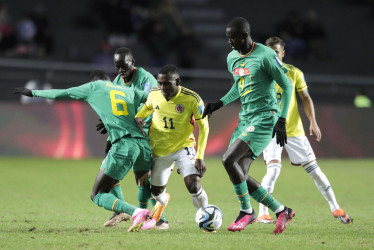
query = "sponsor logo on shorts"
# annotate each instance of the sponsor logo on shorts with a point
(179, 108)
(251, 129)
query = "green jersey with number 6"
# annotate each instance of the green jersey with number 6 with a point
(114, 104)
(254, 75)
(142, 80)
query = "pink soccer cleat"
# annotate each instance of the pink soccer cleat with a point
(148, 224)
(242, 221)
(139, 219)
(284, 218)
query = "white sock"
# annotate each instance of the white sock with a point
(137, 210)
(322, 184)
(248, 211)
(280, 209)
(162, 198)
(268, 182)
(199, 199)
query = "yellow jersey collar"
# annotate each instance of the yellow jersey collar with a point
(179, 92)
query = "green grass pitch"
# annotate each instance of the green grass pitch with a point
(45, 204)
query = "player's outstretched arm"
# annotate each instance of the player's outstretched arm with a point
(231, 96)
(23, 91)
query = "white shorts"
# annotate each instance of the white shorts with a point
(298, 149)
(163, 166)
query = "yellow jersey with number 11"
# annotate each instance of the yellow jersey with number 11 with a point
(173, 121)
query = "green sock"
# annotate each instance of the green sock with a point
(112, 203)
(241, 191)
(153, 201)
(263, 197)
(117, 191)
(144, 194)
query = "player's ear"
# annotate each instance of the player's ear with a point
(178, 81)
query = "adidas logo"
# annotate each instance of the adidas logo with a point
(240, 225)
(157, 107)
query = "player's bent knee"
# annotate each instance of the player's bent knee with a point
(192, 183)
(227, 160)
(157, 190)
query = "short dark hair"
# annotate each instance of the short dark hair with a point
(240, 24)
(99, 75)
(274, 40)
(169, 69)
(124, 51)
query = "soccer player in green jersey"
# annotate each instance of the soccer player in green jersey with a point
(255, 69)
(116, 106)
(298, 147)
(137, 78)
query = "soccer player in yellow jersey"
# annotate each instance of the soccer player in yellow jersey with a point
(175, 110)
(298, 148)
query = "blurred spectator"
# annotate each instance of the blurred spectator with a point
(7, 39)
(291, 30)
(115, 14)
(105, 55)
(43, 36)
(165, 31)
(26, 31)
(314, 36)
(33, 34)
(186, 48)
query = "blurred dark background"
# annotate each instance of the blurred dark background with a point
(55, 44)
(61, 41)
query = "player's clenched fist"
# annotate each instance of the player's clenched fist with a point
(23, 91)
(280, 130)
(200, 166)
(211, 107)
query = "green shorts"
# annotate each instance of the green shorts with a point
(127, 153)
(256, 130)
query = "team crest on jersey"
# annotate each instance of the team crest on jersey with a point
(179, 108)
(251, 129)
(146, 86)
(241, 71)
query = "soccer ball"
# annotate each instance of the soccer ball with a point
(209, 218)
